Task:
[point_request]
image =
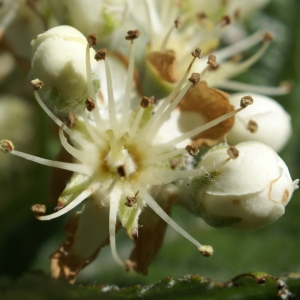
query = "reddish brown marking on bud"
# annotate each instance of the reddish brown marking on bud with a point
(38, 209)
(195, 78)
(252, 126)
(132, 34)
(92, 40)
(37, 84)
(71, 119)
(90, 104)
(101, 54)
(285, 196)
(233, 152)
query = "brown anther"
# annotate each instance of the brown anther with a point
(196, 52)
(135, 234)
(233, 152)
(121, 171)
(192, 150)
(147, 102)
(268, 37)
(132, 34)
(245, 101)
(177, 23)
(225, 21)
(37, 84)
(174, 162)
(130, 265)
(201, 15)
(195, 78)
(237, 13)
(6, 146)
(38, 209)
(71, 119)
(287, 85)
(252, 126)
(92, 40)
(212, 61)
(206, 250)
(101, 54)
(131, 200)
(90, 104)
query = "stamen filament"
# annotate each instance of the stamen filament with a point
(252, 88)
(164, 157)
(80, 155)
(73, 167)
(198, 130)
(159, 211)
(86, 193)
(165, 115)
(127, 98)
(136, 123)
(113, 210)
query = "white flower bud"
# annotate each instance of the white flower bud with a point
(265, 121)
(244, 189)
(59, 60)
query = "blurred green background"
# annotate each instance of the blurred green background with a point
(25, 243)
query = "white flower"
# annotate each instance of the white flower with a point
(246, 187)
(265, 121)
(59, 61)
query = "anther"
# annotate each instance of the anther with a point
(212, 61)
(177, 23)
(225, 21)
(6, 146)
(192, 150)
(37, 84)
(101, 54)
(132, 34)
(206, 250)
(268, 37)
(287, 85)
(71, 119)
(195, 78)
(201, 16)
(252, 126)
(90, 104)
(121, 171)
(38, 209)
(245, 101)
(92, 40)
(196, 52)
(147, 102)
(130, 265)
(131, 200)
(233, 152)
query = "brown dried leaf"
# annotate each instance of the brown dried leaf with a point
(164, 64)
(210, 104)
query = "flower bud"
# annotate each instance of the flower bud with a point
(265, 121)
(246, 187)
(59, 60)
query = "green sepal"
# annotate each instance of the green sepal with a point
(76, 185)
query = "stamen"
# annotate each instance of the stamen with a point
(80, 155)
(159, 211)
(132, 34)
(170, 98)
(113, 210)
(265, 90)
(73, 167)
(176, 24)
(192, 150)
(162, 158)
(85, 194)
(198, 130)
(101, 55)
(38, 209)
(6, 146)
(92, 40)
(233, 152)
(113, 143)
(225, 21)
(71, 119)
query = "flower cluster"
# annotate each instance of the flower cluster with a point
(135, 135)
